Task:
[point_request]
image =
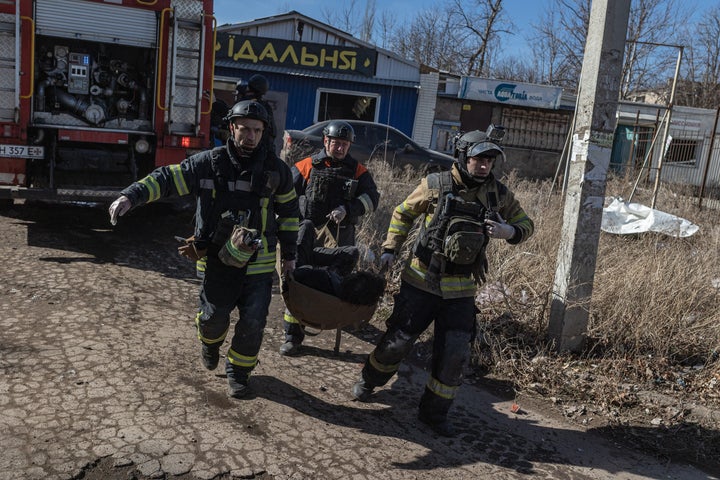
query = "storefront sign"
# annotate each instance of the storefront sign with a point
(284, 53)
(512, 93)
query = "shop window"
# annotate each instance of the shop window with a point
(347, 105)
(682, 151)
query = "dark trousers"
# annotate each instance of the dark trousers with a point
(224, 290)
(413, 313)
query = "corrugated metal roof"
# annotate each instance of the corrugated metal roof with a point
(301, 72)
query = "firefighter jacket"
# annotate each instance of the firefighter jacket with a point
(423, 201)
(256, 191)
(327, 183)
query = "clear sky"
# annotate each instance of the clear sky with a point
(522, 12)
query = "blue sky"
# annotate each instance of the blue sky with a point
(522, 12)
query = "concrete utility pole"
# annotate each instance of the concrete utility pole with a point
(596, 118)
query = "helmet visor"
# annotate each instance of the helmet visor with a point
(484, 149)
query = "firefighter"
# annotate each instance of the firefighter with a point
(461, 211)
(335, 191)
(240, 185)
(255, 88)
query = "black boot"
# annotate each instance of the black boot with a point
(210, 355)
(433, 412)
(237, 381)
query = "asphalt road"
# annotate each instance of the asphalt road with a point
(100, 378)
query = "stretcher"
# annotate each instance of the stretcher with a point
(316, 309)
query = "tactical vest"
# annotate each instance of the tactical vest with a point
(234, 198)
(457, 230)
(329, 187)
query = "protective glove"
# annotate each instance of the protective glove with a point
(499, 229)
(118, 208)
(338, 214)
(386, 260)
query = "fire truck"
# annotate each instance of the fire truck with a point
(95, 94)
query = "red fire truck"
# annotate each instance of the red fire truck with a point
(94, 94)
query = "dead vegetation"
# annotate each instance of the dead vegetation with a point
(650, 373)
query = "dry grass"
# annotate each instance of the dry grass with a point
(654, 313)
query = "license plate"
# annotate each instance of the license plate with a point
(21, 151)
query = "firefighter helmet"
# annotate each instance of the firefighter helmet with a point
(339, 129)
(257, 85)
(248, 109)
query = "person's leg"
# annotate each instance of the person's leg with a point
(218, 296)
(413, 312)
(294, 333)
(242, 356)
(454, 328)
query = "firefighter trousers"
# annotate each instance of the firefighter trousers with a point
(225, 289)
(454, 330)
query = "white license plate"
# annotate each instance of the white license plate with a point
(21, 151)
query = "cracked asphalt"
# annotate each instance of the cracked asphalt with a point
(100, 378)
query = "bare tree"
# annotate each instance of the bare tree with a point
(341, 18)
(429, 39)
(700, 86)
(652, 39)
(653, 28)
(479, 28)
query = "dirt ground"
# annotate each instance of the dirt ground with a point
(100, 378)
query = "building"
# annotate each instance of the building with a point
(317, 72)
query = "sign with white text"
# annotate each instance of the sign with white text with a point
(511, 93)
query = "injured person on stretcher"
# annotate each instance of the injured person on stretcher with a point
(323, 291)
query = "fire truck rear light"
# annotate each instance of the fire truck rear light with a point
(142, 146)
(7, 131)
(185, 142)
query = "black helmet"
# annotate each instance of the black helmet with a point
(258, 85)
(339, 129)
(248, 109)
(463, 141)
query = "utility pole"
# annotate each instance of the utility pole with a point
(596, 117)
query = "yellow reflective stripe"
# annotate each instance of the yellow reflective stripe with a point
(403, 208)
(367, 203)
(290, 224)
(399, 228)
(179, 179)
(448, 283)
(264, 263)
(289, 318)
(201, 264)
(205, 339)
(241, 360)
(153, 187)
(440, 389)
(236, 253)
(380, 367)
(286, 197)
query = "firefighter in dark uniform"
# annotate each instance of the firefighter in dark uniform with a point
(461, 211)
(335, 191)
(255, 88)
(238, 185)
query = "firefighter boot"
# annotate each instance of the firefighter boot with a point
(362, 390)
(433, 412)
(210, 355)
(289, 349)
(237, 381)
